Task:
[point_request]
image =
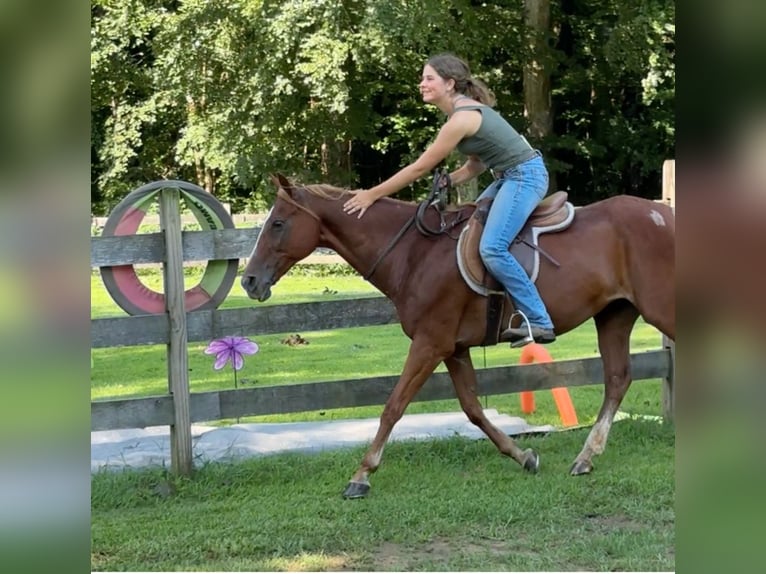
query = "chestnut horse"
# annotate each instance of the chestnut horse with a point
(616, 263)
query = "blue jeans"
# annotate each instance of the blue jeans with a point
(515, 195)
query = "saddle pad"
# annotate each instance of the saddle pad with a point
(472, 267)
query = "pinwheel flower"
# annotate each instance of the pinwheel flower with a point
(231, 349)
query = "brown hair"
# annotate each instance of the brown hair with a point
(450, 67)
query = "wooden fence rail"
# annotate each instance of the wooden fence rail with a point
(186, 219)
(150, 247)
(216, 405)
(176, 328)
(261, 320)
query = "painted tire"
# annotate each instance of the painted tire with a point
(122, 282)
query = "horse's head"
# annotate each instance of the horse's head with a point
(290, 233)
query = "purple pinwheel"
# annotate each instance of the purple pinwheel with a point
(231, 349)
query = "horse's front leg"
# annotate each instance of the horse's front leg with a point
(422, 359)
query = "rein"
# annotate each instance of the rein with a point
(389, 247)
(436, 198)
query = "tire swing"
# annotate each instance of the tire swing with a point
(122, 282)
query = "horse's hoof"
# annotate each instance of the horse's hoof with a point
(356, 490)
(531, 461)
(581, 467)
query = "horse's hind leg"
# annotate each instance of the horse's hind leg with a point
(658, 307)
(614, 325)
(464, 378)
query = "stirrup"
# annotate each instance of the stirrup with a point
(524, 321)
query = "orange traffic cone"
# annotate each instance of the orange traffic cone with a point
(536, 353)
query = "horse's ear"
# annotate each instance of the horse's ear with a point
(281, 181)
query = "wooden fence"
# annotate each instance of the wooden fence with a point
(175, 328)
(669, 389)
(188, 219)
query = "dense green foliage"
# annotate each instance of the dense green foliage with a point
(222, 92)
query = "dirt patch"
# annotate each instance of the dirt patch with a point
(99, 561)
(440, 551)
(316, 563)
(611, 523)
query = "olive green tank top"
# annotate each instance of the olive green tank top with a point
(496, 143)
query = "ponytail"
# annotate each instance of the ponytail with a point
(478, 90)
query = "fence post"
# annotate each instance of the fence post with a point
(669, 182)
(177, 350)
(668, 385)
(668, 382)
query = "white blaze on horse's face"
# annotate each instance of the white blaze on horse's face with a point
(258, 279)
(260, 234)
(656, 216)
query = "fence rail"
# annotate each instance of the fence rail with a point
(150, 247)
(263, 320)
(216, 405)
(154, 219)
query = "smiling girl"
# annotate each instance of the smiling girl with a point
(489, 142)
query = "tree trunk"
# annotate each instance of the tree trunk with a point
(537, 81)
(209, 181)
(324, 159)
(199, 168)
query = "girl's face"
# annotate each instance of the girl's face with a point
(433, 87)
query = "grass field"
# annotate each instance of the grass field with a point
(447, 505)
(450, 505)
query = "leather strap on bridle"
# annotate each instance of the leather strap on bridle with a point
(389, 247)
(437, 198)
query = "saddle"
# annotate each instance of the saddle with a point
(554, 213)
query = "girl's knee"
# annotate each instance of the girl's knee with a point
(492, 251)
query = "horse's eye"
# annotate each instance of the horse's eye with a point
(277, 224)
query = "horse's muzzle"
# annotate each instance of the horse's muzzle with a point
(256, 288)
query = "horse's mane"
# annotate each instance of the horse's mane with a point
(326, 191)
(331, 192)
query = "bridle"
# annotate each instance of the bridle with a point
(286, 196)
(438, 199)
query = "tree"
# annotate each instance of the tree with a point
(537, 83)
(223, 92)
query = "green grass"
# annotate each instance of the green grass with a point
(449, 505)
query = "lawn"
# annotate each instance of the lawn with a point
(446, 505)
(449, 505)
